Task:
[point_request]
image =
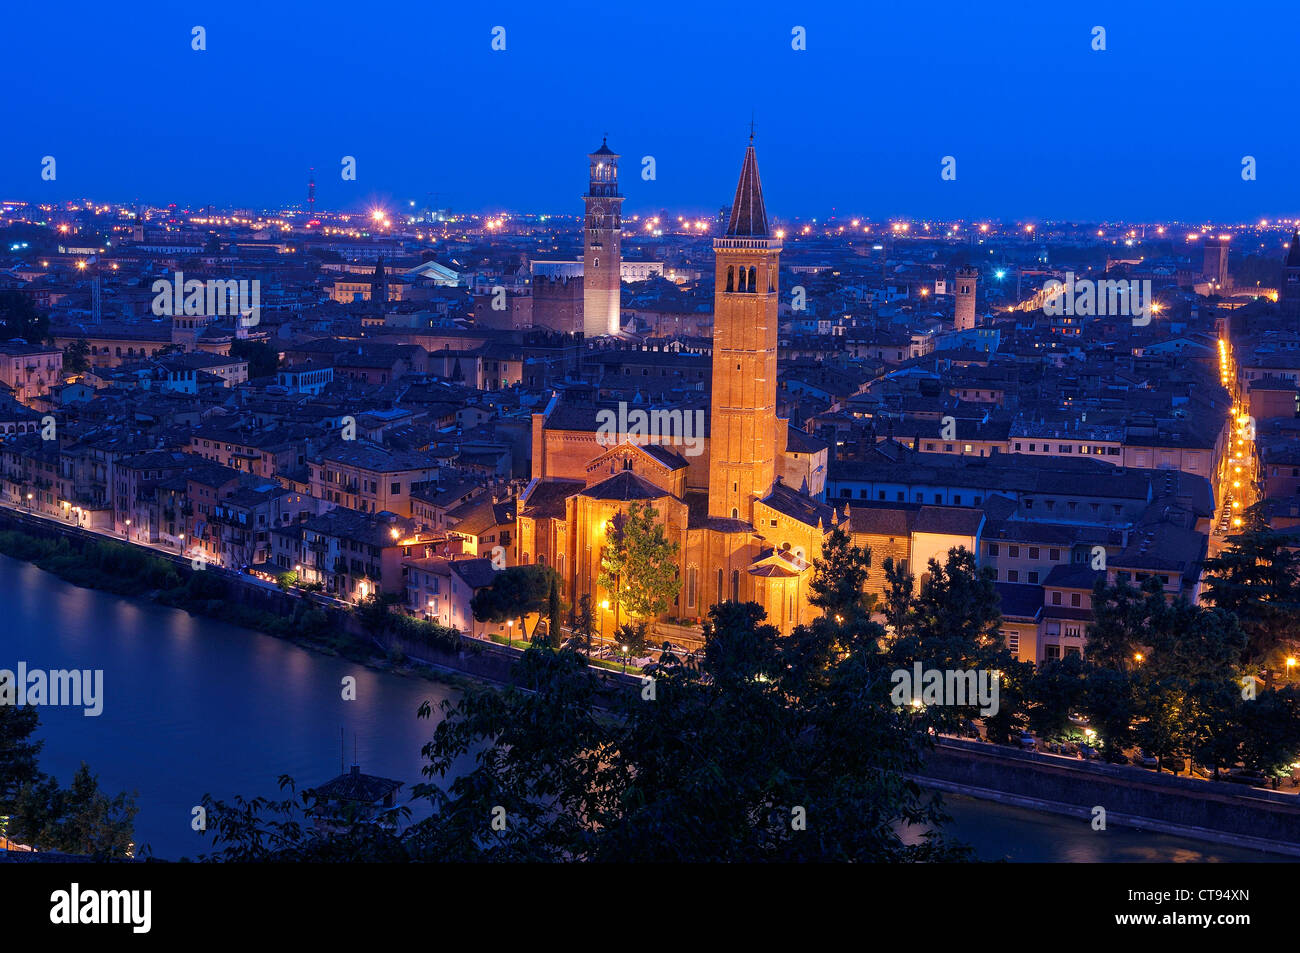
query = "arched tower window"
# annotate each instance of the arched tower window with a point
(735, 585)
(731, 277)
(753, 278)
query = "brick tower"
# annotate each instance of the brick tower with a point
(743, 432)
(964, 316)
(1289, 293)
(601, 252)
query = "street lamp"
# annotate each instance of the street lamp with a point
(1290, 664)
(510, 633)
(604, 607)
(625, 660)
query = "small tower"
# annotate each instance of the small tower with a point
(311, 194)
(379, 286)
(964, 315)
(602, 255)
(1289, 293)
(1216, 261)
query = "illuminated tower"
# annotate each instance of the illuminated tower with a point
(311, 194)
(743, 431)
(964, 315)
(1216, 261)
(601, 251)
(1289, 293)
(379, 286)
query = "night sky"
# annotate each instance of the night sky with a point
(1041, 126)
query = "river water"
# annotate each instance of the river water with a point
(194, 706)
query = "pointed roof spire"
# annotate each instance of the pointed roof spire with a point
(1293, 253)
(748, 215)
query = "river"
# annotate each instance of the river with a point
(194, 706)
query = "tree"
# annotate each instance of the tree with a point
(584, 624)
(371, 612)
(80, 819)
(632, 638)
(1257, 578)
(1270, 732)
(1110, 705)
(76, 356)
(516, 592)
(1172, 652)
(840, 577)
(553, 614)
(20, 319)
(18, 752)
(1058, 689)
(287, 580)
(638, 566)
(733, 761)
(262, 358)
(954, 618)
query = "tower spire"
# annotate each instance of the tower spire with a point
(748, 214)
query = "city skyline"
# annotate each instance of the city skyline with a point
(872, 147)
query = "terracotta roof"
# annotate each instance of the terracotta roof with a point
(799, 506)
(625, 486)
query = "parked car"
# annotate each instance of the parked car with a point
(1027, 741)
(1089, 753)
(1245, 776)
(1145, 759)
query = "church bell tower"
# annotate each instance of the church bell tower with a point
(601, 240)
(743, 431)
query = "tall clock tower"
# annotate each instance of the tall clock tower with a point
(601, 252)
(743, 432)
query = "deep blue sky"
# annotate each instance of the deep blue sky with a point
(1041, 126)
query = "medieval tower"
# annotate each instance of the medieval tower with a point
(742, 443)
(601, 252)
(1289, 293)
(964, 316)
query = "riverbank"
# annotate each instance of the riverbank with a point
(128, 570)
(403, 644)
(1250, 819)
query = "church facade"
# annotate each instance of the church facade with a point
(741, 503)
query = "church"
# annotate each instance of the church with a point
(742, 506)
